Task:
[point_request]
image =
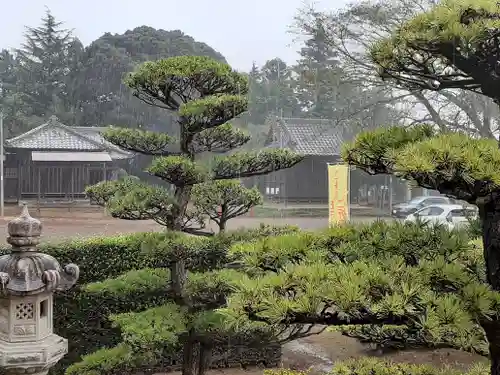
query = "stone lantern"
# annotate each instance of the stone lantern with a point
(28, 280)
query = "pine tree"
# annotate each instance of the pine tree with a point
(46, 63)
(453, 45)
(319, 76)
(204, 94)
(221, 201)
(18, 115)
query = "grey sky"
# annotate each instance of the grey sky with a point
(242, 30)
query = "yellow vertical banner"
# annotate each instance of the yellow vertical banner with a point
(338, 194)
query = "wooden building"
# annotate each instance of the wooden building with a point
(54, 161)
(320, 141)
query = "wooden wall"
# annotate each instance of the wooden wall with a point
(308, 182)
(27, 179)
(304, 182)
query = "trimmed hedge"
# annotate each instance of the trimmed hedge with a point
(231, 351)
(373, 366)
(84, 319)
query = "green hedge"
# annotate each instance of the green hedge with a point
(373, 366)
(83, 319)
(249, 348)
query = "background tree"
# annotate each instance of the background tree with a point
(86, 87)
(351, 32)
(318, 80)
(16, 114)
(43, 64)
(271, 91)
(105, 97)
(223, 200)
(327, 88)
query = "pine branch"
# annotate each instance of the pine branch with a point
(331, 318)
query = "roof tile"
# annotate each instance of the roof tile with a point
(312, 136)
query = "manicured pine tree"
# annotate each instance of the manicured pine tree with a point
(205, 95)
(453, 45)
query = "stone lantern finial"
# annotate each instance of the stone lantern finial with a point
(24, 231)
(28, 279)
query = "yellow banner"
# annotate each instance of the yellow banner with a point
(338, 194)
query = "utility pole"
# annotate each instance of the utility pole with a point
(2, 156)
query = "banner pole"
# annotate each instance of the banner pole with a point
(348, 208)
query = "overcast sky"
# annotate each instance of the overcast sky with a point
(242, 30)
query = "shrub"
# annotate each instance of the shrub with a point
(433, 260)
(412, 241)
(264, 230)
(373, 366)
(79, 316)
(83, 317)
(147, 336)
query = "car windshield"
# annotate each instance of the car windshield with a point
(416, 200)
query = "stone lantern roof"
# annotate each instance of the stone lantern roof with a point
(25, 271)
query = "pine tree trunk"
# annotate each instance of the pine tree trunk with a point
(222, 225)
(492, 330)
(188, 357)
(178, 276)
(204, 358)
(489, 212)
(181, 195)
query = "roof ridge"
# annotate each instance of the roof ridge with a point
(88, 127)
(306, 120)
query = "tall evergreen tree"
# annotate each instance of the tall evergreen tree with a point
(255, 97)
(278, 95)
(44, 62)
(319, 76)
(17, 114)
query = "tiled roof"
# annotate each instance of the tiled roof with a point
(54, 135)
(311, 136)
(94, 133)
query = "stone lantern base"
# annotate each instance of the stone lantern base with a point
(32, 357)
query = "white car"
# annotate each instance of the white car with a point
(453, 216)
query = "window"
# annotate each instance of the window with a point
(430, 211)
(457, 213)
(24, 311)
(416, 200)
(436, 200)
(10, 172)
